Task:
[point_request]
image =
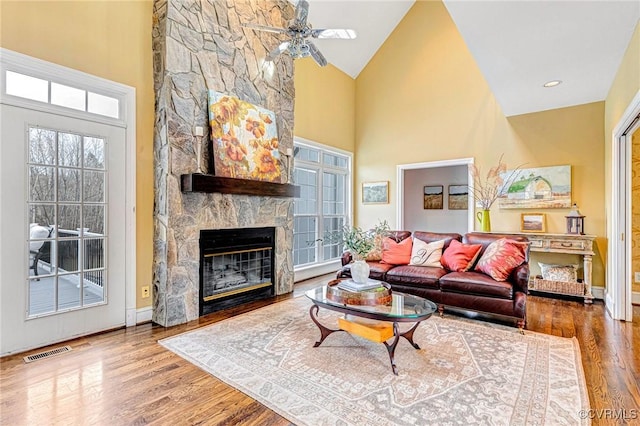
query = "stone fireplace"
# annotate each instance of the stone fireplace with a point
(236, 266)
(200, 45)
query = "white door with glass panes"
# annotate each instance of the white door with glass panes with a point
(62, 230)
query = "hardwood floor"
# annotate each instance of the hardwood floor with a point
(125, 378)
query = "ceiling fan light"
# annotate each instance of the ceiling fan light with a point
(552, 83)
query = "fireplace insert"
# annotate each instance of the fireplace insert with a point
(236, 266)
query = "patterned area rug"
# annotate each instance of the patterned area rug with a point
(466, 372)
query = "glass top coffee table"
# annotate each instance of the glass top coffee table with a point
(403, 308)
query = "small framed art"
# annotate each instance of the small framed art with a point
(375, 192)
(433, 197)
(533, 222)
(458, 197)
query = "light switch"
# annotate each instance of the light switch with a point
(636, 277)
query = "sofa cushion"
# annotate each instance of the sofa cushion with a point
(426, 254)
(460, 257)
(485, 238)
(420, 276)
(501, 257)
(396, 253)
(476, 283)
(429, 237)
(378, 270)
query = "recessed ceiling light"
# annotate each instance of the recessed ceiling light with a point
(552, 83)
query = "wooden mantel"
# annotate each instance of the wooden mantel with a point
(198, 182)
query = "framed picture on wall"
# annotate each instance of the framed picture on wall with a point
(375, 192)
(533, 222)
(433, 197)
(458, 197)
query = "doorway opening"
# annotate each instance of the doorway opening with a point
(451, 175)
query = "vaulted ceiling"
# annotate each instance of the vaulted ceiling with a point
(518, 45)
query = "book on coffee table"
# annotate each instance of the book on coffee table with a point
(351, 285)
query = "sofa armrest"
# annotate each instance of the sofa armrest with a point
(520, 278)
(346, 258)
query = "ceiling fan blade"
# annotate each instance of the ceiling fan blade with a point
(316, 55)
(278, 50)
(302, 11)
(334, 33)
(265, 28)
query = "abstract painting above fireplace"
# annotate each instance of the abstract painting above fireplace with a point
(244, 139)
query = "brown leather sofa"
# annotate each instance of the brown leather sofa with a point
(475, 293)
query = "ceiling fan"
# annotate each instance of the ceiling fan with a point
(299, 31)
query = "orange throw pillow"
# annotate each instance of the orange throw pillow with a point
(396, 253)
(460, 257)
(501, 257)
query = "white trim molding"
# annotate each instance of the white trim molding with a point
(143, 315)
(619, 294)
(598, 292)
(635, 297)
(400, 169)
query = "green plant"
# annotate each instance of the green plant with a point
(356, 240)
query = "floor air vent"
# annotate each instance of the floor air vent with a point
(47, 354)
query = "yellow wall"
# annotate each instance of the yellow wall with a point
(422, 98)
(324, 105)
(625, 86)
(109, 39)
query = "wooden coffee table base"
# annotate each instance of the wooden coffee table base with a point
(391, 348)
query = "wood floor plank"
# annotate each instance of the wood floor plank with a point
(125, 377)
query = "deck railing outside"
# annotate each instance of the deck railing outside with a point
(69, 254)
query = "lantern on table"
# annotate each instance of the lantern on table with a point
(575, 221)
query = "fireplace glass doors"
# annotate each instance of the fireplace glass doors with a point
(236, 266)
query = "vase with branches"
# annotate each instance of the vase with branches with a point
(487, 189)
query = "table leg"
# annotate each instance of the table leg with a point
(588, 296)
(409, 335)
(391, 348)
(324, 331)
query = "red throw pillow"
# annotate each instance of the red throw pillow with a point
(460, 257)
(501, 257)
(396, 253)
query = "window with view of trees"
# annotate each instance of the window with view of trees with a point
(323, 176)
(67, 196)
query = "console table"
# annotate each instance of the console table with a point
(567, 244)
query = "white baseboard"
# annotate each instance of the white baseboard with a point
(635, 298)
(598, 292)
(143, 314)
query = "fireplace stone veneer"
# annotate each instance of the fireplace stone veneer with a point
(200, 46)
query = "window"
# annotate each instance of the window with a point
(323, 176)
(67, 208)
(46, 91)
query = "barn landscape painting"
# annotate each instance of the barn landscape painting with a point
(538, 188)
